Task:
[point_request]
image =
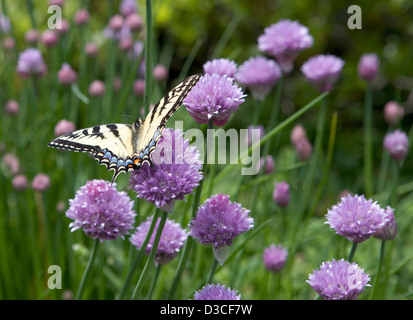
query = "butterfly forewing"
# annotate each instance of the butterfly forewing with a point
(119, 146)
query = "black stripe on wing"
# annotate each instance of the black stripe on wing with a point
(166, 107)
(96, 140)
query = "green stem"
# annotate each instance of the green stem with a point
(87, 270)
(212, 271)
(155, 281)
(368, 143)
(138, 257)
(152, 255)
(352, 252)
(378, 272)
(190, 242)
(148, 54)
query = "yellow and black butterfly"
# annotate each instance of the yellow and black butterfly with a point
(123, 147)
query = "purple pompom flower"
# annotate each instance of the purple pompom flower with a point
(339, 280)
(356, 218)
(215, 98)
(397, 144)
(221, 66)
(30, 63)
(5, 26)
(389, 230)
(274, 258)
(103, 212)
(41, 182)
(218, 221)
(259, 74)
(281, 194)
(393, 112)
(323, 71)
(285, 40)
(175, 173)
(172, 239)
(216, 292)
(66, 75)
(368, 66)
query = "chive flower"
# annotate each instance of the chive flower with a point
(30, 63)
(323, 71)
(339, 280)
(218, 221)
(274, 258)
(281, 194)
(101, 210)
(214, 98)
(389, 230)
(285, 40)
(397, 144)
(175, 174)
(368, 66)
(172, 239)
(356, 218)
(221, 66)
(259, 74)
(393, 112)
(216, 292)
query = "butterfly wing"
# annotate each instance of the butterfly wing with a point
(122, 147)
(111, 145)
(151, 129)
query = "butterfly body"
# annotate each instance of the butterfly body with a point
(123, 147)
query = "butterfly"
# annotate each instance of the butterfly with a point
(124, 147)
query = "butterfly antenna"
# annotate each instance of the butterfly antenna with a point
(126, 115)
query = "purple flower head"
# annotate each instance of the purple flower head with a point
(30, 63)
(323, 71)
(66, 75)
(172, 239)
(11, 162)
(12, 107)
(260, 74)
(214, 97)
(216, 292)
(20, 182)
(127, 7)
(274, 258)
(221, 66)
(5, 25)
(176, 172)
(269, 164)
(389, 230)
(64, 126)
(281, 194)
(397, 144)
(356, 218)
(41, 182)
(218, 221)
(339, 280)
(285, 40)
(101, 210)
(368, 66)
(393, 112)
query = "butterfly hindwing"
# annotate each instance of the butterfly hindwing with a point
(123, 147)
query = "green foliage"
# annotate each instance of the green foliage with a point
(34, 231)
